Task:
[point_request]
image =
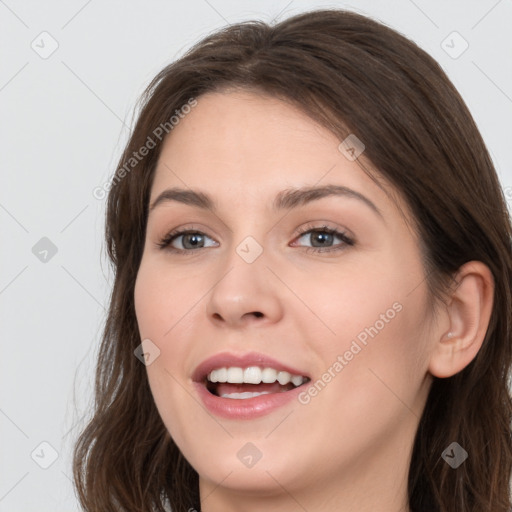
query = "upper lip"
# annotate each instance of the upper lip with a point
(227, 360)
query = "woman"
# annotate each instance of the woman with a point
(312, 299)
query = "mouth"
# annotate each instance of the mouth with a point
(243, 383)
(246, 386)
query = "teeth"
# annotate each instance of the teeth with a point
(235, 375)
(283, 378)
(297, 380)
(243, 396)
(222, 375)
(254, 375)
(268, 375)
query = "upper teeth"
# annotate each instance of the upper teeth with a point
(253, 375)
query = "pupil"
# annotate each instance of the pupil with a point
(193, 238)
(323, 237)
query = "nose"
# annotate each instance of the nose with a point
(246, 293)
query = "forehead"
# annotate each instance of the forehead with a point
(227, 125)
(240, 146)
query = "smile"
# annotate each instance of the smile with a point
(239, 383)
(232, 388)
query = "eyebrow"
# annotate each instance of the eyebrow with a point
(284, 200)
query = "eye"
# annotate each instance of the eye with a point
(190, 240)
(322, 238)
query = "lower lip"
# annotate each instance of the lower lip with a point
(245, 408)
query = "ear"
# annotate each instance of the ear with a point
(468, 312)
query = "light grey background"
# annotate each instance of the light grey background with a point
(64, 120)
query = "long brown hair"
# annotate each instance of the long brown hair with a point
(352, 75)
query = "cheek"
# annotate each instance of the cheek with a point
(163, 300)
(164, 309)
(375, 319)
(161, 309)
(383, 365)
(342, 305)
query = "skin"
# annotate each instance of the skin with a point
(349, 447)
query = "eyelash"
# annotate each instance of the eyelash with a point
(165, 242)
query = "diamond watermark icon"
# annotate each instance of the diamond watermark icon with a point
(147, 352)
(44, 45)
(351, 147)
(454, 455)
(454, 45)
(44, 250)
(249, 455)
(249, 249)
(44, 455)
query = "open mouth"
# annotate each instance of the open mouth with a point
(244, 383)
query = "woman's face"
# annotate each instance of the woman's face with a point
(259, 283)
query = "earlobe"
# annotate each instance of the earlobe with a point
(468, 311)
